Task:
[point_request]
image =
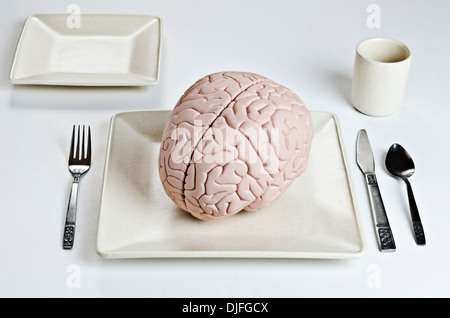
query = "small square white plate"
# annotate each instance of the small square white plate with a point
(93, 50)
(317, 217)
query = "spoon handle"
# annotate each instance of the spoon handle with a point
(419, 233)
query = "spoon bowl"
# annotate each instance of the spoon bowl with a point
(400, 164)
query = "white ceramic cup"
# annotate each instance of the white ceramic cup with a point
(380, 76)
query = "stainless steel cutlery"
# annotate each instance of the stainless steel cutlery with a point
(400, 164)
(366, 163)
(79, 164)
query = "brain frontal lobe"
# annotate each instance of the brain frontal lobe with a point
(235, 141)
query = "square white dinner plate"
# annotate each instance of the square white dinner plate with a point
(317, 217)
(88, 50)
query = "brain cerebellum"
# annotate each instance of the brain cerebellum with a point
(234, 141)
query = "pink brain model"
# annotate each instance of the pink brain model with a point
(234, 141)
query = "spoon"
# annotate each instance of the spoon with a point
(400, 164)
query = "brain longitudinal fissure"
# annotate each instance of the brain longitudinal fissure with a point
(234, 141)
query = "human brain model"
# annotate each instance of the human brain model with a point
(235, 141)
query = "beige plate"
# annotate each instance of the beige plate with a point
(88, 50)
(317, 217)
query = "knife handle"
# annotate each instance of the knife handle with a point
(386, 241)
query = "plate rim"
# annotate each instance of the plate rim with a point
(222, 254)
(16, 81)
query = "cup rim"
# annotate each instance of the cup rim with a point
(400, 43)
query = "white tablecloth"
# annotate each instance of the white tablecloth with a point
(307, 46)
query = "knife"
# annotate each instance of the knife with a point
(364, 158)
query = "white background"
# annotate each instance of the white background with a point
(307, 46)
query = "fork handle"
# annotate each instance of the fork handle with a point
(69, 227)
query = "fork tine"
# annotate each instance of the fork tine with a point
(78, 144)
(72, 144)
(88, 154)
(80, 147)
(83, 144)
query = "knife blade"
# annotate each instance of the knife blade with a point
(366, 162)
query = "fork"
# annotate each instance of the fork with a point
(79, 164)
